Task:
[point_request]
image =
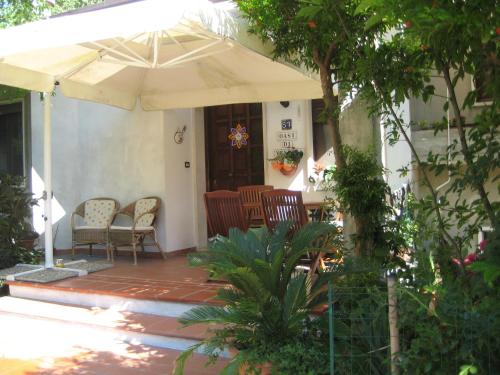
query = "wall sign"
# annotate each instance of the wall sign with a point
(287, 135)
(287, 144)
(286, 124)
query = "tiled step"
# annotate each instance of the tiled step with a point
(158, 331)
(38, 341)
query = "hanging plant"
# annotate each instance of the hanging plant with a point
(286, 161)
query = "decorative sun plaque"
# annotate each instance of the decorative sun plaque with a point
(238, 136)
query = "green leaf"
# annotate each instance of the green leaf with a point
(308, 12)
(364, 5)
(468, 369)
(373, 21)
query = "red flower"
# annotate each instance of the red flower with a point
(469, 259)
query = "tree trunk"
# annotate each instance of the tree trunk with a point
(332, 110)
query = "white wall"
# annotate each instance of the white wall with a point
(178, 181)
(101, 151)
(300, 114)
(398, 155)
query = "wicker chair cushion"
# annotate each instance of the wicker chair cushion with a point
(142, 206)
(98, 212)
(138, 229)
(87, 227)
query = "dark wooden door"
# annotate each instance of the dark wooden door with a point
(230, 166)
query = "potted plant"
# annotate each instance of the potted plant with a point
(277, 160)
(286, 161)
(268, 302)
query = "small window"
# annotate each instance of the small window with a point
(11, 139)
(479, 83)
(322, 134)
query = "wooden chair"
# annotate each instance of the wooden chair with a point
(143, 213)
(97, 215)
(250, 196)
(283, 205)
(224, 210)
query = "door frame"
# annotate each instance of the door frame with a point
(206, 146)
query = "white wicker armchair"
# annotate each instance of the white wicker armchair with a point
(143, 213)
(97, 215)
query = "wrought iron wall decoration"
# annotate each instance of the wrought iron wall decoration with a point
(238, 136)
(179, 135)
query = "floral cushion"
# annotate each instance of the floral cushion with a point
(98, 213)
(142, 206)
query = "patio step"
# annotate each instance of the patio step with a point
(151, 330)
(98, 299)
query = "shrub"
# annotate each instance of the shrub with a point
(15, 212)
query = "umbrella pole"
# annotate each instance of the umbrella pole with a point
(47, 176)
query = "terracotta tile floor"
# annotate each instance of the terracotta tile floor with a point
(152, 279)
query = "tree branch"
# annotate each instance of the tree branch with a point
(476, 182)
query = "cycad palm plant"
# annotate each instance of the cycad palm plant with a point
(268, 300)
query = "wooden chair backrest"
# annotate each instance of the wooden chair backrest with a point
(224, 210)
(283, 205)
(251, 194)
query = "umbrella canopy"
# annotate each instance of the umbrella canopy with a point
(170, 54)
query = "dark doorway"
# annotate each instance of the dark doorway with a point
(11, 139)
(236, 160)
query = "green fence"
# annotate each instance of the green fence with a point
(445, 338)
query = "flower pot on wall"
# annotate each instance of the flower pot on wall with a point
(288, 169)
(276, 165)
(286, 161)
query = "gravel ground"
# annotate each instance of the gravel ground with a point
(13, 270)
(90, 266)
(47, 275)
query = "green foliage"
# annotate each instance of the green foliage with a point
(288, 156)
(447, 328)
(489, 263)
(16, 12)
(359, 187)
(269, 300)
(361, 192)
(15, 212)
(307, 354)
(8, 93)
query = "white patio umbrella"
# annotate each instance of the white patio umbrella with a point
(169, 54)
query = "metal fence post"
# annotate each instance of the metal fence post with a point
(330, 326)
(393, 323)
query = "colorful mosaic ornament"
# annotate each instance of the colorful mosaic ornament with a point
(238, 136)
